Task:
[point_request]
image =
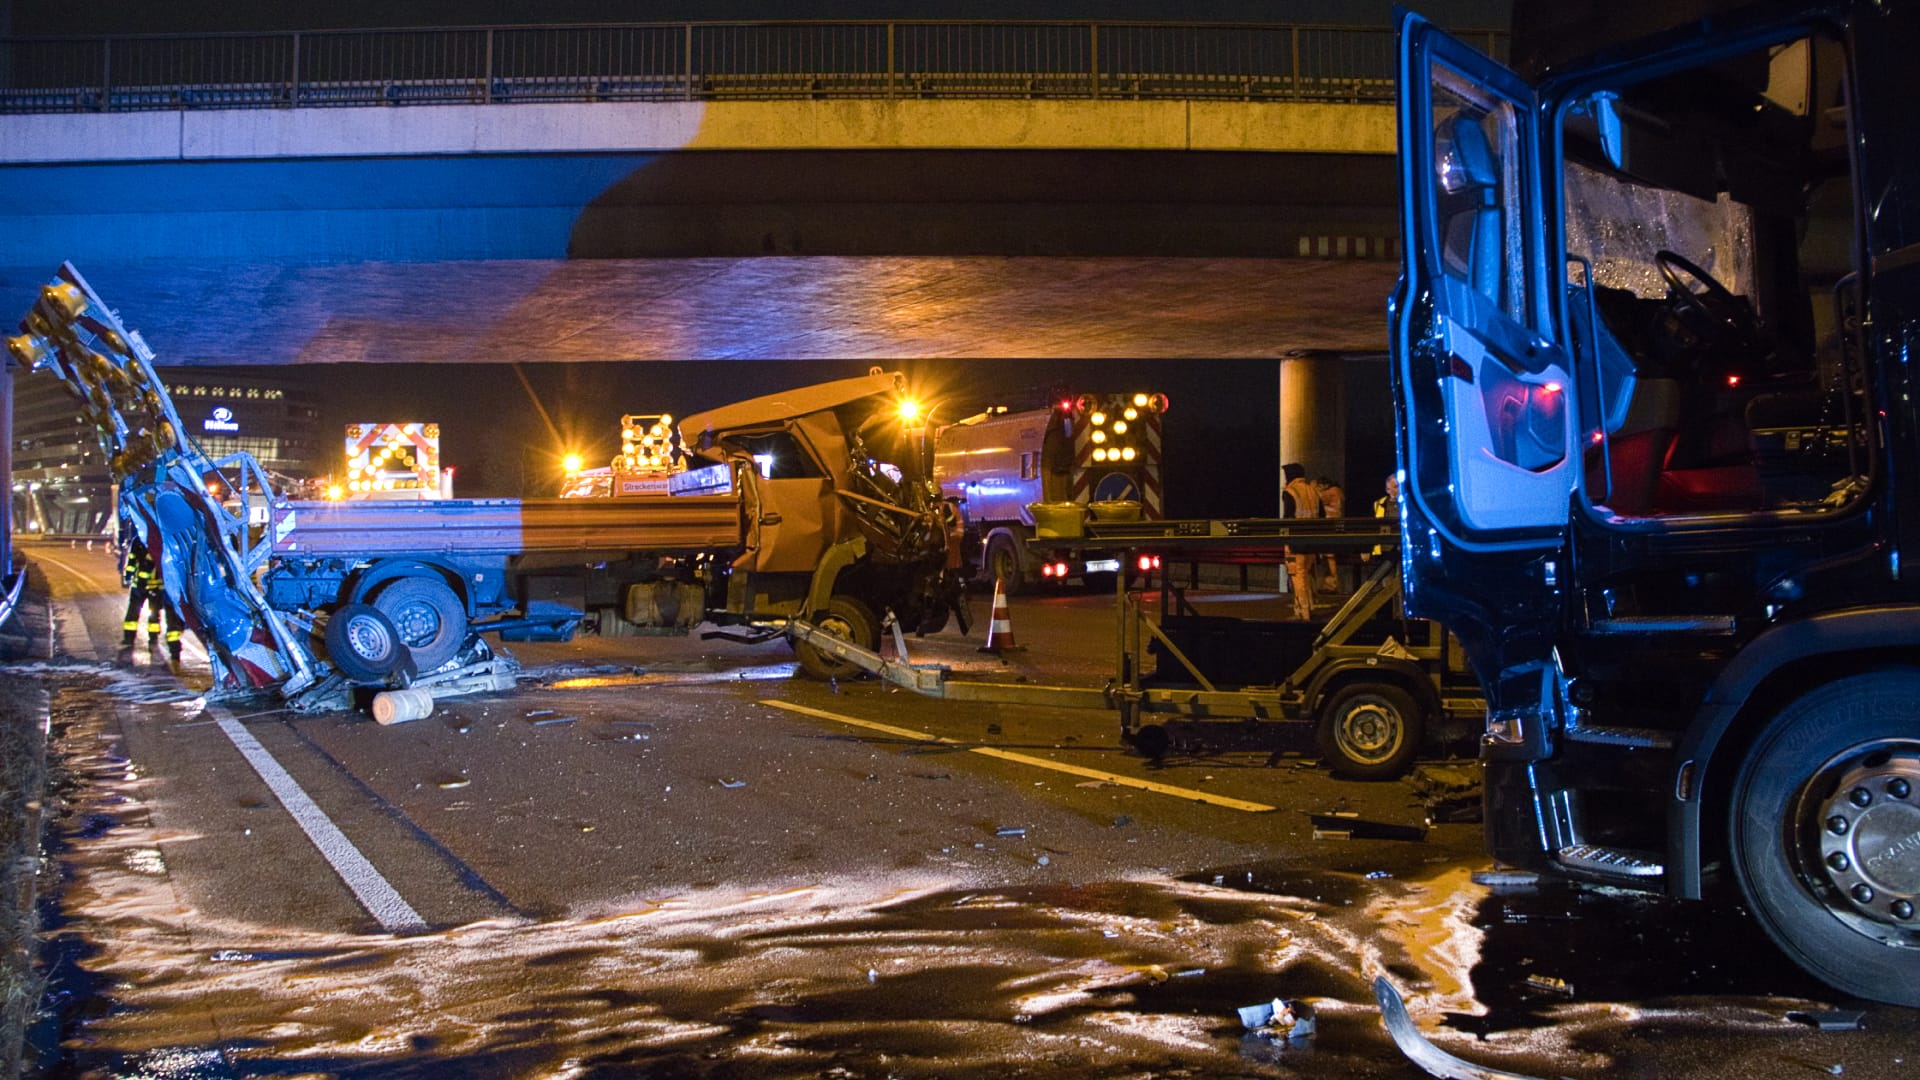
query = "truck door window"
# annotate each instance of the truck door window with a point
(1715, 208)
(1477, 180)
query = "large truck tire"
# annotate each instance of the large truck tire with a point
(845, 618)
(362, 644)
(1371, 731)
(1001, 562)
(1825, 830)
(431, 621)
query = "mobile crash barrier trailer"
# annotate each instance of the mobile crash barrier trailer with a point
(786, 511)
(1653, 355)
(1367, 685)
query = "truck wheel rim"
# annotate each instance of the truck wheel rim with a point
(1369, 731)
(418, 624)
(368, 639)
(1863, 821)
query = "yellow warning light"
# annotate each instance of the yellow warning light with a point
(572, 463)
(1131, 413)
(1099, 454)
(1140, 401)
(334, 493)
(1119, 427)
(1099, 436)
(1098, 418)
(1127, 454)
(909, 409)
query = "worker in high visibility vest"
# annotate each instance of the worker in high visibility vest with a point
(141, 574)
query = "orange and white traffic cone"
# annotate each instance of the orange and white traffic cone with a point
(1000, 628)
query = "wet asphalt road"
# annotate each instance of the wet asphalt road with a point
(664, 857)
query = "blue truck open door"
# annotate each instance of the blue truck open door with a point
(1484, 396)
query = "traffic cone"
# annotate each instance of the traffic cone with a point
(1000, 628)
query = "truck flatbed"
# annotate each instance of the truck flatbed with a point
(506, 526)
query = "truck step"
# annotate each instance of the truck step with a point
(1610, 862)
(1644, 738)
(1717, 625)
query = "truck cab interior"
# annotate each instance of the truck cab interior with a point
(1708, 223)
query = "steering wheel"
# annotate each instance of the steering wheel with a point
(1729, 319)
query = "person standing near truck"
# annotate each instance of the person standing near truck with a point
(1333, 504)
(141, 574)
(1299, 499)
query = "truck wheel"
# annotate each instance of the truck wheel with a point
(1002, 563)
(849, 620)
(1826, 834)
(430, 619)
(1370, 731)
(362, 643)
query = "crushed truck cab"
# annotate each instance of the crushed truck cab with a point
(1657, 434)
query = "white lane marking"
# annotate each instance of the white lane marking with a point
(379, 897)
(1119, 779)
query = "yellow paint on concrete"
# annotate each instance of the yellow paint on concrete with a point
(1301, 127)
(912, 124)
(1117, 779)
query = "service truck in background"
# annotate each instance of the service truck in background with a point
(814, 502)
(1653, 364)
(1037, 474)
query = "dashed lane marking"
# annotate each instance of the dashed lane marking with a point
(374, 892)
(1028, 759)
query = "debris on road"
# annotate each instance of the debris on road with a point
(1507, 880)
(1010, 830)
(1279, 1020)
(1451, 793)
(1549, 984)
(555, 720)
(730, 783)
(1122, 821)
(452, 782)
(1829, 1019)
(540, 712)
(1378, 875)
(1347, 825)
(1432, 1059)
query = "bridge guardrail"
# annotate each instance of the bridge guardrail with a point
(703, 61)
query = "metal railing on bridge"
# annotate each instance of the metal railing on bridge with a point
(703, 61)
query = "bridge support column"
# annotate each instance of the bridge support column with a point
(1313, 415)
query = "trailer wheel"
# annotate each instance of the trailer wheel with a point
(849, 620)
(1825, 816)
(1002, 563)
(1370, 731)
(362, 643)
(431, 620)
(1152, 741)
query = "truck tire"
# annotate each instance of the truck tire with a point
(1371, 731)
(431, 621)
(845, 618)
(1001, 562)
(362, 644)
(1825, 831)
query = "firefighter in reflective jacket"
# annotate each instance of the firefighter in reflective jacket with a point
(141, 575)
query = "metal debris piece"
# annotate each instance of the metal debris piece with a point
(1436, 1062)
(540, 712)
(1010, 830)
(1358, 828)
(729, 783)
(1550, 985)
(1043, 860)
(1279, 1020)
(1190, 973)
(1507, 880)
(1830, 1019)
(1378, 875)
(453, 782)
(555, 720)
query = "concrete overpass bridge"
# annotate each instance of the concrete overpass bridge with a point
(277, 197)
